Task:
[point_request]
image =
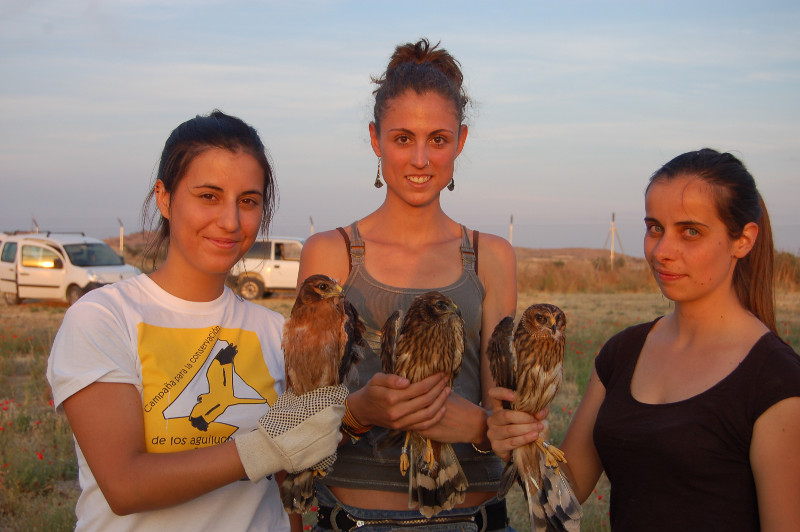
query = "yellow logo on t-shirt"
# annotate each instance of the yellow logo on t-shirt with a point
(201, 385)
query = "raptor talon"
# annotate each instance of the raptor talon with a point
(553, 456)
(404, 463)
(429, 454)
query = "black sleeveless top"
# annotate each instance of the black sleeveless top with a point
(686, 465)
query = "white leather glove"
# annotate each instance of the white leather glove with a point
(297, 433)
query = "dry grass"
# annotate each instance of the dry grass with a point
(591, 271)
(37, 461)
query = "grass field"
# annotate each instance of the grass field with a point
(38, 485)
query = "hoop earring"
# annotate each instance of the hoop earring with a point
(452, 184)
(378, 183)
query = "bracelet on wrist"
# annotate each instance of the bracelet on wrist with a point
(351, 426)
(481, 451)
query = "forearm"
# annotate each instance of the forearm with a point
(583, 461)
(149, 481)
(361, 408)
(392, 402)
(473, 424)
(133, 480)
(583, 485)
(463, 422)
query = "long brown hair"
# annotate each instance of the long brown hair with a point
(738, 203)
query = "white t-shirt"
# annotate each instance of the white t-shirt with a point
(206, 372)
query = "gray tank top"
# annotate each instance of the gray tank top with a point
(364, 465)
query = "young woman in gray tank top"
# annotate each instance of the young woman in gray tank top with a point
(404, 248)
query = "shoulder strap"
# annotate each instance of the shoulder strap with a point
(355, 248)
(347, 242)
(475, 235)
(469, 252)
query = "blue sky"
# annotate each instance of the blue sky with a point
(576, 104)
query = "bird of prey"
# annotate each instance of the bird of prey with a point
(428, 340)
(529, 361)
(322, 342)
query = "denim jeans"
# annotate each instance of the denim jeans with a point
(326, 498)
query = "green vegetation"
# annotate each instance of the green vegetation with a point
(38, 469)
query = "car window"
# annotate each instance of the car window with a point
(291, 251)
(92, 254)
(39, 257)
(259, 251)
(9, 252)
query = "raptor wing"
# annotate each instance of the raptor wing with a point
(389, 334)
(502, 358)
(355, 345)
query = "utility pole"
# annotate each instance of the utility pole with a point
(311, 221)
(612, 234)
(35, 224)
(511, 231)
(121, 237)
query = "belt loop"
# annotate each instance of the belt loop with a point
(334, 513)
(484, 519)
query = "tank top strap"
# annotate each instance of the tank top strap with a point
(469, 255)
(356, 246)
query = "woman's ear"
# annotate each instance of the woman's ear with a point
(743, 244)
(462, 138)
(373, 139)
(162, 198)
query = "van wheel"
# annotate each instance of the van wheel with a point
(250, 288)
(12, 299)
(74, 293)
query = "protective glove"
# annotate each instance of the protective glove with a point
(295, 434)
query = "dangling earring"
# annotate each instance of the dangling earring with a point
(452, 184)
(378, 182)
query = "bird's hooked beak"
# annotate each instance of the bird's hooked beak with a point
(553, 324)
(336, 291)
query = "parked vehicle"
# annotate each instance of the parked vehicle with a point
(271, 265)
(61, 266)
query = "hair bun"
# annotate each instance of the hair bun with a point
(422, 52)
(421, 67)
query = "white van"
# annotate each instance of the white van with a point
(61, 266)
(271, 265)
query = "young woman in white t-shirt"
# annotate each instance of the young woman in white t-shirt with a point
(164, 377)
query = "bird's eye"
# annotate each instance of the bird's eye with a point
(441, 305)
(322, 286)
(540, 319)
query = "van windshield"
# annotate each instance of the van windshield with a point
(92, 255)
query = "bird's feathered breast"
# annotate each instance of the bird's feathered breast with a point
(431, 339)
(314, 342)
(539, 343)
